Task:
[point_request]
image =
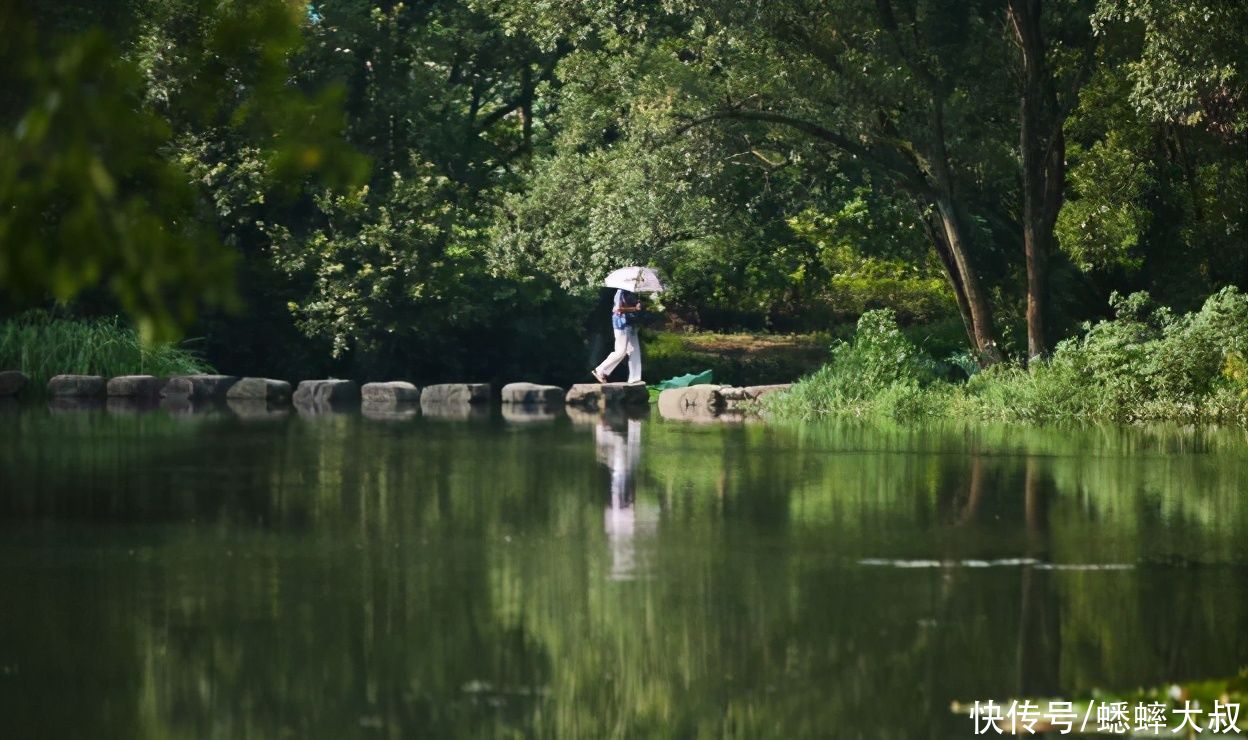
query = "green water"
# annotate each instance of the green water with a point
(202, 575)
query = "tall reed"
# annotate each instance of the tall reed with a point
(42, 345)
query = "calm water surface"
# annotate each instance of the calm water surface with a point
(338, 576)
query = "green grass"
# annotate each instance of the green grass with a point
(42, 346)
(736, 359)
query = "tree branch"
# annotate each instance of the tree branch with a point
(908, 177)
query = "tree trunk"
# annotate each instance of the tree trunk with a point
(984, 334)
(1043, 153)
(936, 234)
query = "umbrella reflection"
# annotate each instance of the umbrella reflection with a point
(618, 442)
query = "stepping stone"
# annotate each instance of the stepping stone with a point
(532, 394)
(393, 392)
(259, 389)
(525, 413)
(382, 411)
(692, 401)
(189, 409)
(77, 386)
(199, 387)
(456, 393)
(127, 405)
(740, 397)
(12, 382)
(612, 417)
(257, 408)
(75, 404)
(617, 416)
(602, 395)
(326, 395)
(456, 410)
(135, 386)
(582, 416)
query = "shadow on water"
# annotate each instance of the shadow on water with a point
(220, 573)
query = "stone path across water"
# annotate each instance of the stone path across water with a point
(394, 399)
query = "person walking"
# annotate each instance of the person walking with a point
(624, 312)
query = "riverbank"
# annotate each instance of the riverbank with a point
(739, 359)
(1146, 364)
(42, 346)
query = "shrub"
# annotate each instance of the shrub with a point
(1147, 363)
(878, 371)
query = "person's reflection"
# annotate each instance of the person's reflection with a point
(618, 441)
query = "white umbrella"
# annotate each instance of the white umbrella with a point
(636, 279)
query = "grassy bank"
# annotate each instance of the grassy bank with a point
(1147, 363)
(736, 359)
(41, 346)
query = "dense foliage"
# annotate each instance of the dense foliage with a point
(1146, 363)
(428, 190)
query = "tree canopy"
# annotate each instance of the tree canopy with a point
(374, 186)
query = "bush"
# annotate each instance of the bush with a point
(41, 346)
(878, 372)
(1147, 363)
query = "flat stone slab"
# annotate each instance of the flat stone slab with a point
(455, 410)
(392, 392)
(259, 389)
(692, 401)
(387, 411)
(183, 407)
(75, 404)
(12, 382)
(456, 393)
(602, 395)
(257, 408)
(135, 386)
(584, 416)
(612, 416)
(713, 402)
(533, 394)
(739, 397)
(527, 413)
(332, 392)
(77, 386)
(130, 405)
(199, 387)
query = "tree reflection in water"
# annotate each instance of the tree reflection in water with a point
(216, 574)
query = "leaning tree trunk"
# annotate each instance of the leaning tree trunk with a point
(977, 317)
(1043, 154)
(984, 334)
(936, 235)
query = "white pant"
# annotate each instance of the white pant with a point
(626, 343)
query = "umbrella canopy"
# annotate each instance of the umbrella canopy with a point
(636, 279)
